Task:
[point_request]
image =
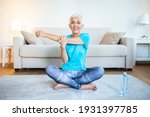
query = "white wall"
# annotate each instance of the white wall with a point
(120, 15)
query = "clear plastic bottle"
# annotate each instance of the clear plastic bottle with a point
(124, 86)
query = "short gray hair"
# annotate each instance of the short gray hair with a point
(76, 15)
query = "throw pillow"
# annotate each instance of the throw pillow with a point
(31, 39)
(112, 37)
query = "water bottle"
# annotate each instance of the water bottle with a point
(124, 86)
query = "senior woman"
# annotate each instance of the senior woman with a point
(73, 53)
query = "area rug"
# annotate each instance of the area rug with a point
(40, 87)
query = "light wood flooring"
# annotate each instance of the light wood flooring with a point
(140, 71)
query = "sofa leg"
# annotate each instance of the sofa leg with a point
(16, 70)
(128, 69)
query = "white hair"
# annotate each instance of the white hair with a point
(76, 15)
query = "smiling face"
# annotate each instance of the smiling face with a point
(76, 25)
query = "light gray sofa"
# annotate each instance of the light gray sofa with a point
(108, 56)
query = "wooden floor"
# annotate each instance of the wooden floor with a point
(140, 71)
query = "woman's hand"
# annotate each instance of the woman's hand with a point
(62, 41)
(40, 33)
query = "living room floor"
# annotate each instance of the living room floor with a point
(140, 71)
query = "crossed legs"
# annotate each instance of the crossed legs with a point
(80, 80)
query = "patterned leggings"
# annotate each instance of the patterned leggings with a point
(74, 78)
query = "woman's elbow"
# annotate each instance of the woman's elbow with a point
(65, 60)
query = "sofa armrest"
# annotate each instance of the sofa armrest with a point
(129, 42)
(17, 43)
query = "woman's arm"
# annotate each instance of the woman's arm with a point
(83, 39)
(64, 55)
(48, 35)
(63, 43)
(75, 40)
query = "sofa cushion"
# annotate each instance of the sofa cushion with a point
(107, 50)
(40, 51)
(112, 38)
(54, 50)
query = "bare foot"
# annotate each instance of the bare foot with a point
(60, 86)
(89, 87)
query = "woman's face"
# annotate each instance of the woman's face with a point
(75, 25)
